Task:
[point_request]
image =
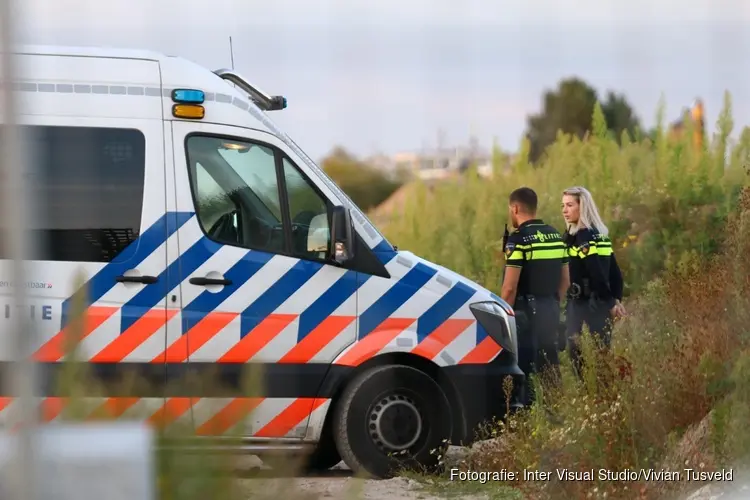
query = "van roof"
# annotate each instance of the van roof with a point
(175, 72)
(92, 51)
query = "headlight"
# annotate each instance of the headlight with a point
(498, 321)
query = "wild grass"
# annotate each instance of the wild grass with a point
(664, 202)
(680, 359)
(680, 220)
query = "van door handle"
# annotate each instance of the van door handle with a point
(146, 280)
(210, 281)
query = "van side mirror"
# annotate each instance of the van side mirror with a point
(342, 235)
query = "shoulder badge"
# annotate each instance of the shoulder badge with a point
(584, 248)
(509, 249)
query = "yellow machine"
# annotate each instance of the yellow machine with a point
(695, 114)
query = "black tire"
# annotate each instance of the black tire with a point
(325, 455)
(391, 389)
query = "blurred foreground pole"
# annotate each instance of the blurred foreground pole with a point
(13, 215)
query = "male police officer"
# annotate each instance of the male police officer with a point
(536, 278)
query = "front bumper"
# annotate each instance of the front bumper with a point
(481, 393)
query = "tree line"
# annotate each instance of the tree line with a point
(568, 108)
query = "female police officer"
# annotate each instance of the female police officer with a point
(595, 280)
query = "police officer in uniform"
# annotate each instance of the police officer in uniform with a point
(536, 278)
(595, 294)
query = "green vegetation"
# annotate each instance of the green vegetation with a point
(680, 221)
(672, 394)
(664, 202)
(479, 487)
(365, 185)
(569, 109)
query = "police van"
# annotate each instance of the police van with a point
(208, 243)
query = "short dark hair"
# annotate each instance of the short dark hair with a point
(526, 197)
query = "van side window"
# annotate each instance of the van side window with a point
(236, 192)
(86, 184)
(308, 211)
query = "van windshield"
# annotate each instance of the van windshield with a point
(357, 214)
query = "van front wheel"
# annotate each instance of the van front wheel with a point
(389, 418)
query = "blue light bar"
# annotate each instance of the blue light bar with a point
(188, 96)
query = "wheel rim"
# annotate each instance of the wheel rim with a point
(395, 423)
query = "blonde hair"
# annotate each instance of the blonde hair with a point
(588, 215)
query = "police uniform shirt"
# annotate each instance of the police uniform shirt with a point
(592, 266)
(539, 250)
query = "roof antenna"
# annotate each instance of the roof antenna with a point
(231, 52)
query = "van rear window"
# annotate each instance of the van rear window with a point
(86, 184)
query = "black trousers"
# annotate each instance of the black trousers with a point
(537, 321)
(595, 315)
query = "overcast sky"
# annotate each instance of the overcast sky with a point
(386, 75)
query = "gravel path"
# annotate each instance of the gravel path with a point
(338, 483)
(262, 483)
(333, 488)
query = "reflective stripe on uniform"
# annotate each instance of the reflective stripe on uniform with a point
(603, 248)
(540, 251)
(549, 254)
(515, 255)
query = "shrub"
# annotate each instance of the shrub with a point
(663, 202)
(679, 219)
(681, 359)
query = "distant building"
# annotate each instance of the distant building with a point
(435, 164)
(430, 168)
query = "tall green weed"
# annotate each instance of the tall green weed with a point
(665, 202)
(671, 394)
(679, 217)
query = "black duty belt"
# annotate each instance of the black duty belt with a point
(528, 301)
(533, 297)
(579, 290)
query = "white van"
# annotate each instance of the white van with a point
(210, 243)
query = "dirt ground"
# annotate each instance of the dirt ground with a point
(345, 487)
(341, 487)
(261, 482)
(339, 483)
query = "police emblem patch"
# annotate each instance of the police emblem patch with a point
(509, 249)
(585, 249)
